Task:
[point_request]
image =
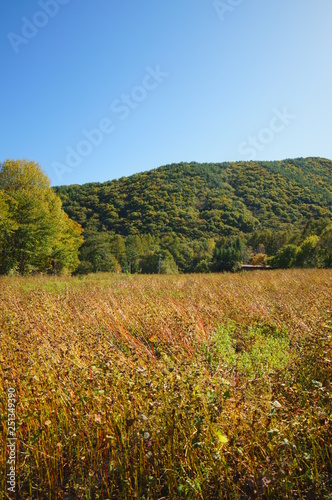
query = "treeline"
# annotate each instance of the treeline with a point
(205, 217)
(179, 218)
(311, 247)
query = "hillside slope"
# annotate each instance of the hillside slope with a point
(206, 200)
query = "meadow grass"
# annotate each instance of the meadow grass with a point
(151, 387)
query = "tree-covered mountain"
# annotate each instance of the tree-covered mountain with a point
(202, 217)
(206, 200)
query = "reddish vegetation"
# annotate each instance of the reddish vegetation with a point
(205, 386)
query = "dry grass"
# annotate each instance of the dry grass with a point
(150, 387)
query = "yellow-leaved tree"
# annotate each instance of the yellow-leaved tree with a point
(35, 233)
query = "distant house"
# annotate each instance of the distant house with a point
(250, 267)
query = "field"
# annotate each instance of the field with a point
(150, 387)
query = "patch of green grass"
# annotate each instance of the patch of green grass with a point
(253, 353)
(265, 354)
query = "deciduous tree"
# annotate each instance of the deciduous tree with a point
(37, 235)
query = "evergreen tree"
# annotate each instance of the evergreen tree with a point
(96, 254)
(228, 255)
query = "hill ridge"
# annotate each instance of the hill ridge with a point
(206, 199)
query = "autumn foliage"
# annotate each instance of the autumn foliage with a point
(205, 386)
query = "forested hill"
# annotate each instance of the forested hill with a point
(206, 200)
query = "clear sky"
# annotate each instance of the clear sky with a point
(97, 90)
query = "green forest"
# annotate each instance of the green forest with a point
(185, 217)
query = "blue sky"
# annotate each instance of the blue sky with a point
(99, 90)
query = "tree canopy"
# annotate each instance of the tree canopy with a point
(210, 216)
(35, 233)
(206, 200)
(185, 217)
